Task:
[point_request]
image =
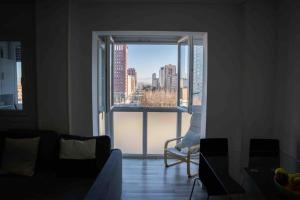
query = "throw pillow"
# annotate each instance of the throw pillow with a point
(19, 155)
(77, 158)
(77, 149)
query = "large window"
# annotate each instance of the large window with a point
(148, 85)
(150, 71)
(144, 75)
(11, 76)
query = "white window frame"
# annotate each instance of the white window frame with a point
(109, 117)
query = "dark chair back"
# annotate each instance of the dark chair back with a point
(210, 179)
(216, 151)
(264, 153)
(214, 147)
(214, 168)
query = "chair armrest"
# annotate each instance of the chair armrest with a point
(168, 141)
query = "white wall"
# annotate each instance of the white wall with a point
(287, 121)
(241, 61)
(252, 64)
(258, 71)
(222, 22)
(52, 26)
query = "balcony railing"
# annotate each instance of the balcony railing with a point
(142, 131)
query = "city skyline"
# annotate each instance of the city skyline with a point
(148, 59)
(154, 81)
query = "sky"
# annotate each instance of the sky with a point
(19, 70)
(147, 59)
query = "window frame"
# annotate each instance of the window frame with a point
(138, 108)
(109, 126)
(190, 64)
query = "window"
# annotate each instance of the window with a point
(150, 72)
(148, 84)
(144, 75)
(11, 97)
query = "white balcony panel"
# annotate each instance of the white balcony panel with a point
(128, 132)
(161, 127)
(102, 123)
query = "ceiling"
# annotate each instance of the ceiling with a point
(139, 1)
(167, 1)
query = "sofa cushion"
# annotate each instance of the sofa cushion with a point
(19, 155)
(77, 149)
(48, 148)
(84, 167)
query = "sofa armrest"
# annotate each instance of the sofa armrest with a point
(108, 184)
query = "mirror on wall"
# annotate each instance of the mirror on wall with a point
(11, 97)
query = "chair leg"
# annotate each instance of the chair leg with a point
(166, 158)
(166, 161)
(191, 194)
(188, 169)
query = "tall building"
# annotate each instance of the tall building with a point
(120, 72)
(168, 77)
(161, 77)
(171, 82)
(131, 81)
(155, 81)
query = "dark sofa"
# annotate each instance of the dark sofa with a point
(48, 184)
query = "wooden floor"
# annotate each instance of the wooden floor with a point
(148, 179)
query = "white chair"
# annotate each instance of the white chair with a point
(190, 143)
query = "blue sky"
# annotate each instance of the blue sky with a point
(19, 70)
(147, 59)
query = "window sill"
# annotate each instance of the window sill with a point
(147, 109)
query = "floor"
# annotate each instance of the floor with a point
(148, 179)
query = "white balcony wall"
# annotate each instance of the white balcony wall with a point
(128, 132)
(161, 127)
(102, 130)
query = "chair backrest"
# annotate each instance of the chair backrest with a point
(264, 153)
(209, 178)
(214, 147)
(216, 151)
(195, 123)
(264, 147)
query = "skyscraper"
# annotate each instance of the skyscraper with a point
(120, 72)
(155, 81)
(168, 77)
(131, 81)
(162, 77)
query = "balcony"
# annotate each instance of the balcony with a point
(142, 132)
